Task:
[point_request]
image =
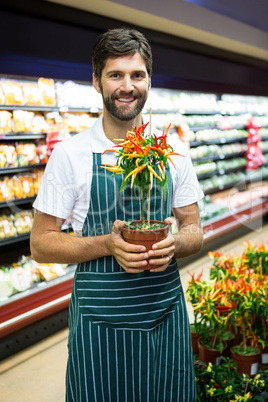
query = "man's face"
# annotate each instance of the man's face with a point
(124, 86)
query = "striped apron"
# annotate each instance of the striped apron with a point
(129, 336)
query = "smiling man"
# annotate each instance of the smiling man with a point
(129, 337)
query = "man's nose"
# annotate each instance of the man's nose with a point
(127, 84)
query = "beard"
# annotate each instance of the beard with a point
(125, 112)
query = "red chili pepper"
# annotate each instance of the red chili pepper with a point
(138, 135)
(157, 149)
(138, 148)
(143, 127)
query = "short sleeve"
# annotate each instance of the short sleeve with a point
(56, 195)
(186, 189)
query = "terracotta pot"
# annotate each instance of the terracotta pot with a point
(264, 355)
(247, 364)
(208, 355)
(194, 339)
(145, 237)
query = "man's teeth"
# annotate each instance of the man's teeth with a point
(125, 100)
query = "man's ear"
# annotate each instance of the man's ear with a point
(95, 82)
(150, 83)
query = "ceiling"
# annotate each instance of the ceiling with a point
(239, 26)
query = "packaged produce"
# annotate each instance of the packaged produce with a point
(23, 221)
(48, 92)
(39, 124)
(5, 122)
(7, 228)
(32, 94)
(20, 278)
(23, 186)
(23, 121)
(37, 174)
(41, 152)
(8, 156)
(26, 153)
(6, 287)
(2, 96)
(49, 271)
(6, 190)
(13, 93)
(27, 263)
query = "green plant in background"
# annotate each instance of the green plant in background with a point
(215, 314)
(221, 383)
(141, 159)
(257, 257)
(194, 289)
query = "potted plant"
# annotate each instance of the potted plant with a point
(245, 294)
(257, 257)
(142, 159)
(221, 383)
(194, 289)
(215, 310)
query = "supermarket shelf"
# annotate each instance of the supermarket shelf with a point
(14, 202)
(22, 136)
(36, 303)
(15, 239)
(217, 141)
(51, 108)
(213, 157)
(237, 184)
(220, 172)
(233, 219)
(20, 169)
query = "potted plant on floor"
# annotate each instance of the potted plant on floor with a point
(142, 159)
(194, 289)
(246, 296)
(216, 311)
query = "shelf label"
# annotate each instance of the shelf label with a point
(254, 369)
(264, 358)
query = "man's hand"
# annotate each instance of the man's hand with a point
(132, 258)
(163, 250)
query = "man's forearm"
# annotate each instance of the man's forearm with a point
(188, 241)
(59, 247)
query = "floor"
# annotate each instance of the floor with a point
(38, 372)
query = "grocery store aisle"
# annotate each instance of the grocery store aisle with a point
(38, 373)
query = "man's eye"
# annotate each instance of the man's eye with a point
(115, 75)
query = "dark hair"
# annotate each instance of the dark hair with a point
(117, 42)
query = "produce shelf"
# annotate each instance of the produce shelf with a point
(235, 218)
(20, 169)
(36, 303)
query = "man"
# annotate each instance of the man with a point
(129, 337)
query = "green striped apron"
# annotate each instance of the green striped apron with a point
(129, 336)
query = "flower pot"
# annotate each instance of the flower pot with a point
(230, 339)
(145, 237)
(264, 355)
(194, 339)
(208, 355)
(247, 364)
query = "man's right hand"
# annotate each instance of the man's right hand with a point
(132, 258)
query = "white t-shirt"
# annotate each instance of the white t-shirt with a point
(66, 184)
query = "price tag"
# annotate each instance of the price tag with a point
(26, 187)
(6, 226)
(4, 190)
(264, 358)
(28, 220)
(254, 369)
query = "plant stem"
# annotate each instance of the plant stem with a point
(215, 338)
(148, 217)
